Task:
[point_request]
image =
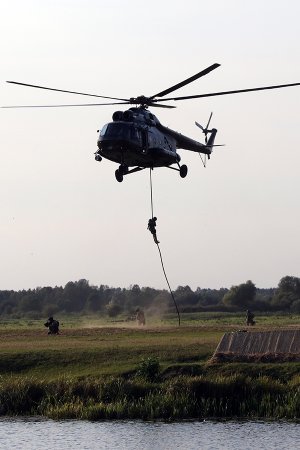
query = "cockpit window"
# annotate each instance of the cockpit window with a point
(117, 130)
(120, 131)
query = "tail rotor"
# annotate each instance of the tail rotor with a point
(205, 130)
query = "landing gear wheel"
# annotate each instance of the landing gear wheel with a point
(183, 171)
(119, 176)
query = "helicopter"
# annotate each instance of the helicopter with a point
(136, 140)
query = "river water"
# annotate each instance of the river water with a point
(39, 434)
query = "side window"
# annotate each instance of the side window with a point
(135, 134)
(103, 131)
(144, 139)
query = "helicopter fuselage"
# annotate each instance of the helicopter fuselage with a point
(133, 139)
(127, 143)
(137, 138)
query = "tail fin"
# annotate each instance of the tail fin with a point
(211, 139)
(206, 131)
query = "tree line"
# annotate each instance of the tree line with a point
(82, 298)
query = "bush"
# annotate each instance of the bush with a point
(149, 369)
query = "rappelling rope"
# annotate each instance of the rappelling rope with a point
(161, 259)
(151, 195)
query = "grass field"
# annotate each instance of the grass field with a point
(98, 352)
(97, 346)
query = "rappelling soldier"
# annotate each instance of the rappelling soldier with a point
(152, 228)
(53, 326)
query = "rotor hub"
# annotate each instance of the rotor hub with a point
(140, 100)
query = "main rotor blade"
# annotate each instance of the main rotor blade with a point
(238, 91)
(61, 106)
(187, 81)
(157, 105)
(62, 90)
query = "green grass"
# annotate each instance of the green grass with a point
(90, 370)
(96, 346)
(100, 351)
(187, 319)
(176, 398)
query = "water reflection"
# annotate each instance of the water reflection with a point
(42, 434)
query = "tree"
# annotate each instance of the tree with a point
(185, 296)
(75, 295)
(295, 307)
(241, 296)
(92, 302)
(113, 309)
(30, 302)
(133, 297)
(287, 294)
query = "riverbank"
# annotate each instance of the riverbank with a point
(125, 372)
(177, 397)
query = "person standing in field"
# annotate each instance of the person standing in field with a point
(250, 318)
(140, 317)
